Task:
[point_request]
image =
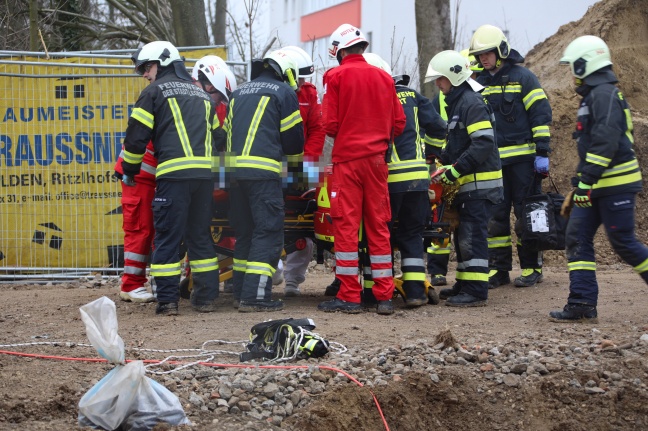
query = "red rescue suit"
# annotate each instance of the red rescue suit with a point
(138, 221)
(362, 113)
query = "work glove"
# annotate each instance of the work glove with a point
(582, 194)
(128, 180)
(541, 165)
(446, 175)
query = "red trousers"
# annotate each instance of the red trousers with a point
(138, 233)
(358, 194)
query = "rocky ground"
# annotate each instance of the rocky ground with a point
(504, 366)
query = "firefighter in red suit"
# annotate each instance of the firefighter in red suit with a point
(310, 110)
(138, 227)
(362, 113)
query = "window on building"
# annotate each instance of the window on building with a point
(310, 6)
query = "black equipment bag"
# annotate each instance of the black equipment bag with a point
(276, 339)
(541, 226)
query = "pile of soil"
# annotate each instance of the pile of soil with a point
(623, 24)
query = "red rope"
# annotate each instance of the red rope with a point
(209, 364)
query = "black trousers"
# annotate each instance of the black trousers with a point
(257, 216)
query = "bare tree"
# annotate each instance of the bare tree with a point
(189, 22)
(433, 34)
(218, 21)
(106, 24)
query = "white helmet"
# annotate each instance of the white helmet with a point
(450, 64)
(376, 60)
(304, 61)
(343, 37)
(284, 64)
(162, 52)
(585, 55)
(489, 38)
(217, 73)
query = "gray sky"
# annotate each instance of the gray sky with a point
(528, 21)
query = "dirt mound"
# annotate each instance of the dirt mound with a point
(462, 401)
(623, 24)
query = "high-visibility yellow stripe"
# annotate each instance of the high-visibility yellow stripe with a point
(204, 265)
(183, 163)
(254, 124)
(478, 126)
(597, 160)
(540, 131)
(517, 150)
(496, 89)
(258, 163)
(414, 276)
(480, 176)
(632, 165)
(166, 270)
(144, 117)
(433, 141)
(132, 158)
(290, 121)
(582, 265)
(180, 127)
(210, 127)
(642, 267)
(239, 265)
(499, 241)
(472, 276)
(629, 125)
(617, 181)
(533, 97)
(407, 176)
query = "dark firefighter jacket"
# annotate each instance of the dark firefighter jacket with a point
(471, 146)
(604, 135)
(263, 125)
(521, 109)
(179, 118)
(407, 168)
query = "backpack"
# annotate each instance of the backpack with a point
(284, 339)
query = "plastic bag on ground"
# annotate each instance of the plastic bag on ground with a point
(125, 398)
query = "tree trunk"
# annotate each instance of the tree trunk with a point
(189, 22)
(220, 23)
(433, 34)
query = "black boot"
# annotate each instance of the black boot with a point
(465, 300)
(333, 288)
(497, 278)
(447, 293)
(575, 313)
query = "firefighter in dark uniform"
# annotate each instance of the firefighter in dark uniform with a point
(472, 163)
(523, 116)
(608, 178)
(408, 182)
(263, 126)
(179, 118)
(438, 256)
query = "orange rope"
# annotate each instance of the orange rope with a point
(209, 364)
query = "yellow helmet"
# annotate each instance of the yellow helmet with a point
(474, 64)
(489, 38)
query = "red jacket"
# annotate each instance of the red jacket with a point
(147, 170)
(361, 109)
(311, 113)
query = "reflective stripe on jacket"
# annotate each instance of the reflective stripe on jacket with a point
(604, 134)
(471, 146)
(407, 168)
(521, 109)
(179, 118)
(263, 125)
